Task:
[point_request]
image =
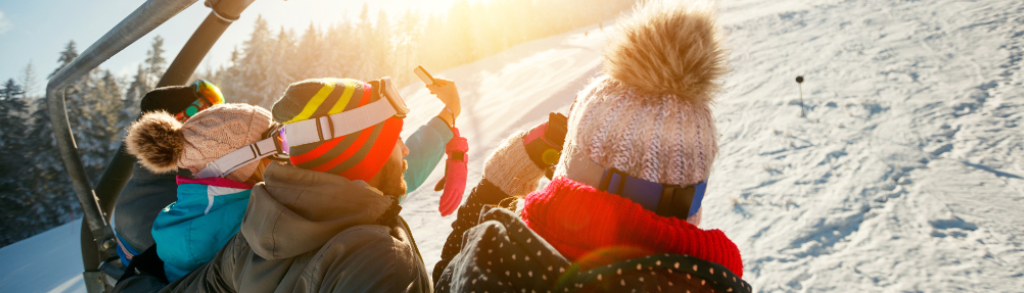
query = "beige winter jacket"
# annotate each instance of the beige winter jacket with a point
(307, 231)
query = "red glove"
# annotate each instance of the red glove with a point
(455, 171)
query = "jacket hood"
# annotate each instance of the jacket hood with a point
(502, 251)
(583, 223)
(297, 210)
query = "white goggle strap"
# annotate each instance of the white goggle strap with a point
(332, 126)
(239, 158)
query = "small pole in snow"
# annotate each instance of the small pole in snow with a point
(799, 84)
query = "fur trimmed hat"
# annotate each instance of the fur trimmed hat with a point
(649, 114)
(162, 144)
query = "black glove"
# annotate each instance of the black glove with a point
(172, 99)
(544, 142)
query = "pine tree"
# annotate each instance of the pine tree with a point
(145, 80)
(407, 46)
(81, 103)
(155, 60)
(133, 96)
(311, 62)
(460, 21)
(12, 135)
(360, 57)
(105, 104)
(251, 84)
(280, 67)
(48, 176)
(382, 49)
(69, 54)
(15, 201)
(349, 62)
(28, 80)
(52, 200)
(226, 77)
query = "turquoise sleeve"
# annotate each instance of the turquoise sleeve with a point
(426, 149)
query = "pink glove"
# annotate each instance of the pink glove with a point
(455, 171)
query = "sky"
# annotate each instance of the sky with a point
(36, 31)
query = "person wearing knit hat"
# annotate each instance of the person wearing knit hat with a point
(147, 193)
(362, 155)
(630, 166)
(328, 219)
(208, 211)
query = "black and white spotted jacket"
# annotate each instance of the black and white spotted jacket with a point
(492, 250)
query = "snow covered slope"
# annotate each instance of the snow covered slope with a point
(48, 262)
(906, 175)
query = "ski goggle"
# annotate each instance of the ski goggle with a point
(206, 95)
(278, 139)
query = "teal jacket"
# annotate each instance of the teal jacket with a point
(426, 149)
(190, 231)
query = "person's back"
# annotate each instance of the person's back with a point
(622, 210)
(208, 211)
(309, 231)
(148, 192)
(190, 231)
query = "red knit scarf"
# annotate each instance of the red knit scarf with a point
(584, 223)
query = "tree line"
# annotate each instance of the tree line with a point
(36, 192)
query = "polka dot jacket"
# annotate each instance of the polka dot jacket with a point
(502, 254)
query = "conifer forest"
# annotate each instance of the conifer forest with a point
(35, 191)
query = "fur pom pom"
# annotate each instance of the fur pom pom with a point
(669, 48)
(157, 141)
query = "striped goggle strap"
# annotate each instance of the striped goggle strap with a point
(328, 127)
(239, 158)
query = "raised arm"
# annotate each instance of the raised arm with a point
(426, 149)
(426, 145)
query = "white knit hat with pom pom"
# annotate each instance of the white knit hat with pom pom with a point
(649, 114)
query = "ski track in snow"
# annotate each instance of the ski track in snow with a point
(906, 174)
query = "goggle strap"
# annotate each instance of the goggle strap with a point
(389, 92)
(239, 158)
(328, 127)
(665, 200)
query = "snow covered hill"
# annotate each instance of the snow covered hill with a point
(906, 175)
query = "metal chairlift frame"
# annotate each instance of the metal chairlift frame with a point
(102, 266)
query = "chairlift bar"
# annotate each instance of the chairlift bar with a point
(140, 22)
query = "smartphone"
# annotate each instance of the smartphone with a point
(424, 76)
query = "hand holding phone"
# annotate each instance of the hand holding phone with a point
(444, 89)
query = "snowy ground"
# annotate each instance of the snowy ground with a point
(906, 175)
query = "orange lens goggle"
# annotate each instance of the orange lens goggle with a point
(206, 95)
